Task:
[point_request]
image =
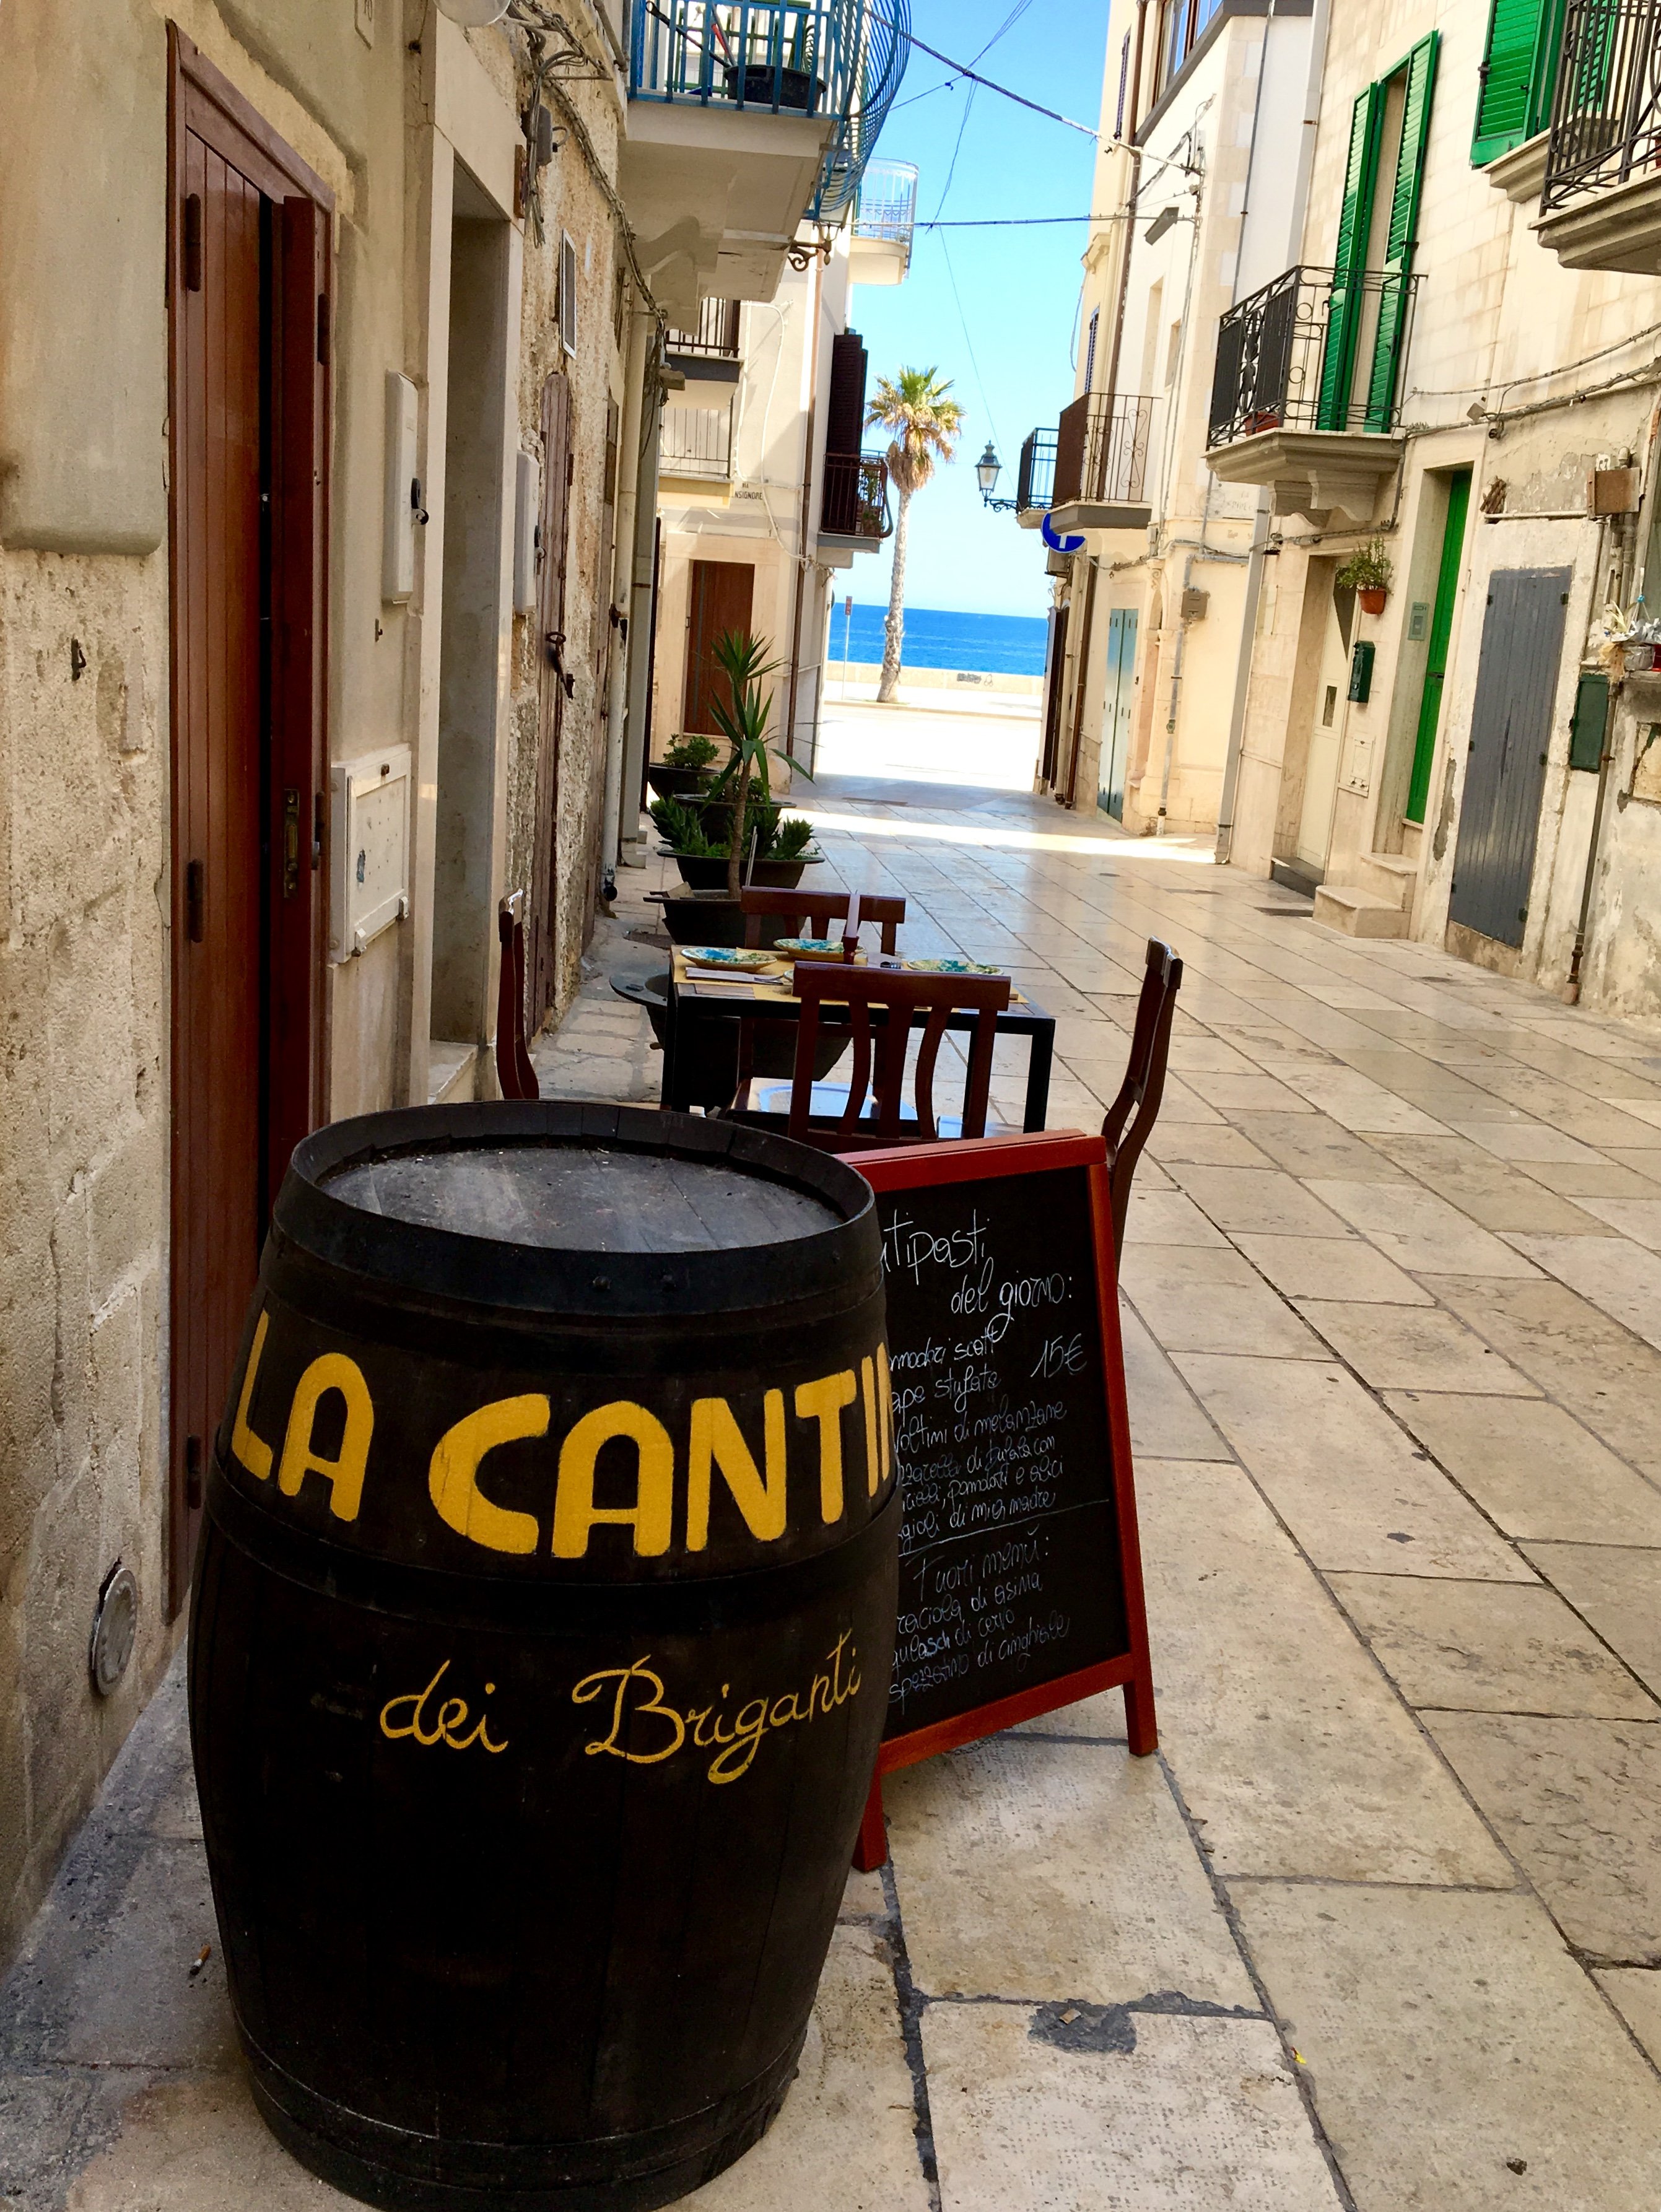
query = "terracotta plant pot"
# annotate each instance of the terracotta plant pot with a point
(1372, 598)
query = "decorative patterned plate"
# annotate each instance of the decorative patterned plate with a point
(810, 948)
(953, 968)
(725, 956)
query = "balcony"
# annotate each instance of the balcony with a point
(708, 351)
(1303, 396)
(1600, 204)
(854, 513)
(697, 444)
(1100, 469)
(1035, 481)
(885, 217)
(745, 118)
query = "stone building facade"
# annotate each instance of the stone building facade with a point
(325, 202)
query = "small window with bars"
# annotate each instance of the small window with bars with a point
(567, 291)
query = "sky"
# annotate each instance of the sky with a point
(1004, 335)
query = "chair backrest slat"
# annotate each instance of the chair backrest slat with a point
(880, 1049)
(1130, 1118)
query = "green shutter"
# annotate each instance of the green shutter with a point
(1349, 262)
(1505, 81)
(1402, 234)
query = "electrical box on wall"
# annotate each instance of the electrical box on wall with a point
(527, 498)
(370, 845)
(1361, 670)
(403, 513)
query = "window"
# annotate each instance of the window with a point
(1090, 349)
(1518, 71)
(1182, 23)
(567, 291)
(1124, 86)
(1403, 98)
(1173, 349)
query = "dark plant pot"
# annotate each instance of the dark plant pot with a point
(677, 782)
(798, 89)
(705, 873)
(1372, 598)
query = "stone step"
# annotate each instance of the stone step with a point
(1358, 913)
(1392, 876)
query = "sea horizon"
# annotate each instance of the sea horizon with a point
(939, 637)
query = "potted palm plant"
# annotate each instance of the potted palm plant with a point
(1367, 574)
(739, 834)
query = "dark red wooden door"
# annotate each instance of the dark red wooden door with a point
(722, 598)
(248, 288)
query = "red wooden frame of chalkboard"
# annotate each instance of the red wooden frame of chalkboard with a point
(916, 1166)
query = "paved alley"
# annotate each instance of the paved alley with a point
(1380, 1926)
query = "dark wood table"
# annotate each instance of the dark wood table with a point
(693, 1005)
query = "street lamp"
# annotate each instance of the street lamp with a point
(987, 470)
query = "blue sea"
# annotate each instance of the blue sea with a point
(1005, 644)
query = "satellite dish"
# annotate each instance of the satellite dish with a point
(1059, 544)
(475, 14)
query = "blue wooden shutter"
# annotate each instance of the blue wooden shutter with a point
(1402, 234)
(1349, 262)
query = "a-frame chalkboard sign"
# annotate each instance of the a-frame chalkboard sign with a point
(1020, 1572)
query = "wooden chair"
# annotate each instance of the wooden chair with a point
(516, 1077)
(1132, 1113)
(880, 1052)
(819, 908)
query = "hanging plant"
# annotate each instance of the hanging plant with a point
(1369, 575)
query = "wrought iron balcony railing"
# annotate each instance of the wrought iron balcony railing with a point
(839, 58)
(886, 208)
(1307, 353)
(1606, 108)
(855, 503)
(1034, 484)
(1101, 450)
(715, 338)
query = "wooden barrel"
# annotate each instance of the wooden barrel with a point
(540, 1644)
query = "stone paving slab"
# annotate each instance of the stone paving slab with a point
(1292, 1752)
(1458, 2056)
(1163, 2115)
(1489, 1647)
(1532, 1468)
(1043, 1869)
(1616, 1590)
(1578, 1804)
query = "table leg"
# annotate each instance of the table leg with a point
(1038, 1077)
(666, 1093)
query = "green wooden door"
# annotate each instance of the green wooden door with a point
(1441, 628)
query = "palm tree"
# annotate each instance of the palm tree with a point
(926, 424)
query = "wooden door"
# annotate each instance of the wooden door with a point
(1326, 741)
(1121, 625)
(1054, 678)
(248, 313)
(553, 535)
(722, 598)
(1506, 763)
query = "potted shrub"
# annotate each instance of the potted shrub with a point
(1368, 574)
(779, 846)
(794, 84)
(687, 766)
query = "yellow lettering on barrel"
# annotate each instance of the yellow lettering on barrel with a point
(717, 1440)
(823, 1401)
(253, 1451)
(334, 1371)
(869, 1399)
(887, 1424)
(452, 1477)
(574, 1511)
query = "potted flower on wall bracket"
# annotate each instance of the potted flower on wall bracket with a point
(1369, 575)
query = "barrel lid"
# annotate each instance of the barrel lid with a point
(560, 1207)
